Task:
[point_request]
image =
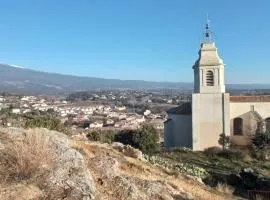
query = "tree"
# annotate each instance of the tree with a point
(224, 141)
(126, 137)
(146, 139)
(261, 140)
(261, 145)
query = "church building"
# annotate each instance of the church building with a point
(212, 111)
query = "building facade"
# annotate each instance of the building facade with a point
(212, 111)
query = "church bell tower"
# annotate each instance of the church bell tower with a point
(210, 103)
(209, 68)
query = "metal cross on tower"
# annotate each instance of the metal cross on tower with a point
(207, 33)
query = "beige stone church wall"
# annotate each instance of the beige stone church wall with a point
(240, 109)
(208, 118)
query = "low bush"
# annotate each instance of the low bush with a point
(261, 140)
(126, 137)
(233, 155)
(180, 149)
(145, 138)
(226, 153)
(212, 151)
(44, 121)
(103, 136)
(261, 146)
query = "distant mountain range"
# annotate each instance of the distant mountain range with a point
(27, 81)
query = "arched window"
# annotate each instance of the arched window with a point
(209, 78)
(238, 126)
(267, 124)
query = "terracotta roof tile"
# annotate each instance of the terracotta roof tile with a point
(261, 98)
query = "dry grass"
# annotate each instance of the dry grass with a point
(225, 189)
(24, 157)
(139, 170)
(19, 191)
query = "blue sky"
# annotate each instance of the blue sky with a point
(156, 40)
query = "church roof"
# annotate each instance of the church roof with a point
(184, 109)
(260, 98)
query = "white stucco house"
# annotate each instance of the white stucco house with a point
(16, 110)
(212, 111)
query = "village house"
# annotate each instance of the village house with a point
(2, 99)
(16, 110)
(96, 124)
(146, 112)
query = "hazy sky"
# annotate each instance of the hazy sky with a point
(155, 40)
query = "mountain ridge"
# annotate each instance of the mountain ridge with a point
(28, 81)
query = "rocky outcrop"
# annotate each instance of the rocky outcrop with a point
(68, 177)
(84, 170)
(115, 185)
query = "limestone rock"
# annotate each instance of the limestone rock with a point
(70, 175)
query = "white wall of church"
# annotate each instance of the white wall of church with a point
(210, 118)
(178, 131)
(239, 109)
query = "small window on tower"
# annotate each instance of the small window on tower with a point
(210, 78)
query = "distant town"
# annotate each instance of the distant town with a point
(92, 110)
(106, 109)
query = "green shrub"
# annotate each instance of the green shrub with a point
(212, 151)
(224, 141)
(261, 145)
(126, 137)
(146, 139)
(261, 140)
(44, 121)
(94, 136)
(103, 136)
(233, 155)
(108, 137)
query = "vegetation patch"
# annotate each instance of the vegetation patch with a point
(145, 138)
(25, 157)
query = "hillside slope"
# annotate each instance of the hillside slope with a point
(52, 166)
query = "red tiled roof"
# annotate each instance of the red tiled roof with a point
(261, 98)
